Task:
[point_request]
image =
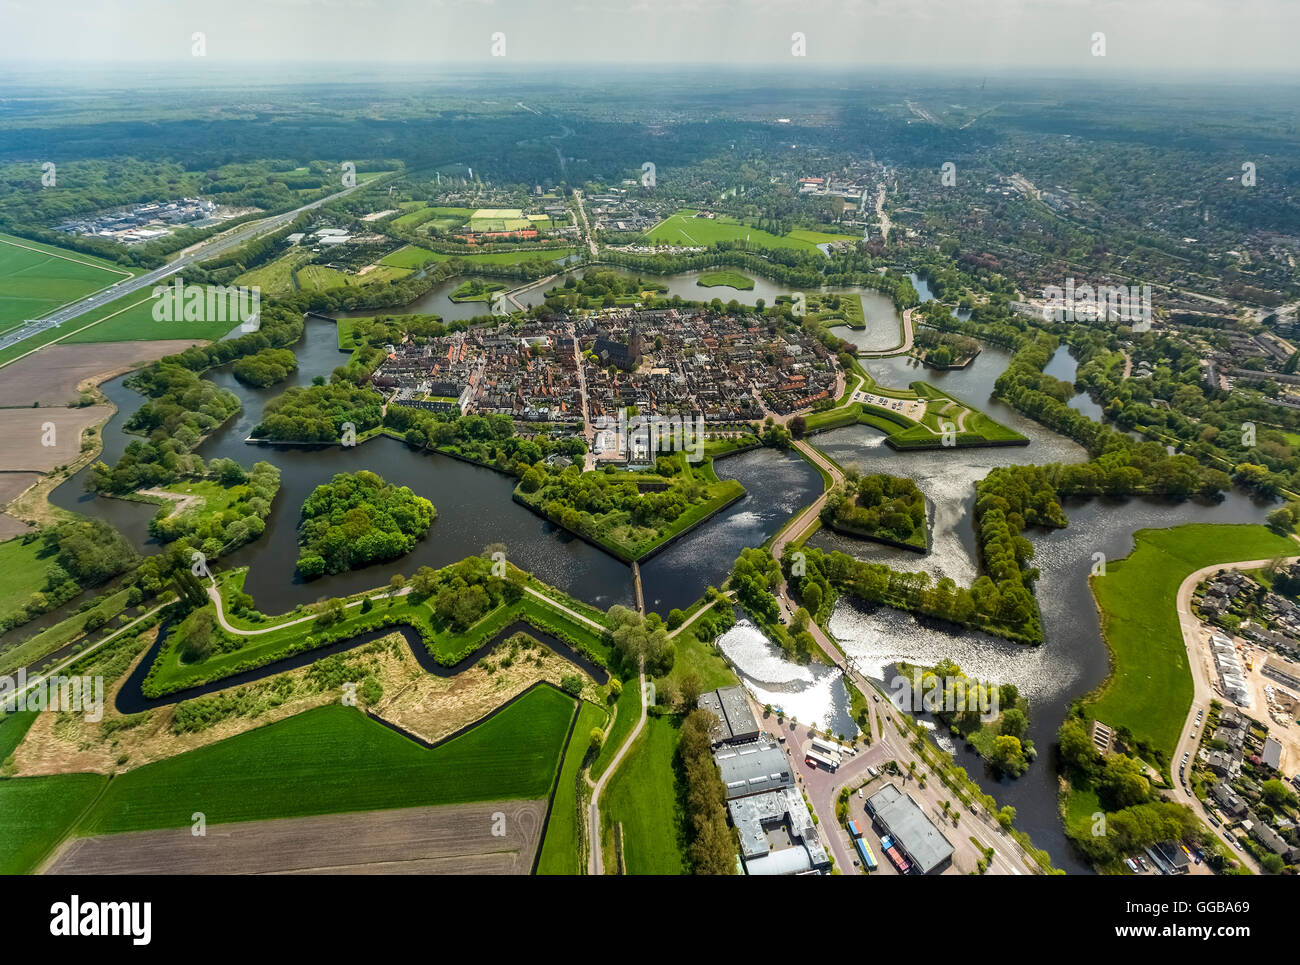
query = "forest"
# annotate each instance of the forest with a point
(357, 519)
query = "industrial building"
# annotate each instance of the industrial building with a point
(900, 817)
(736, 721)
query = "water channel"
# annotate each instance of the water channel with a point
(475, 509)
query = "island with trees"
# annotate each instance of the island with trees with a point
(267, 367)
(880, 507)
(630, 515)
(357, 519)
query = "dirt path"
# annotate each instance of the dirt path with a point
(597, 859)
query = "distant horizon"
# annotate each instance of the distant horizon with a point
(359, 71)
(1155, 37)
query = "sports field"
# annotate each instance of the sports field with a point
(35, 279)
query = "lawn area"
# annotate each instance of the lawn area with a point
(726, 279)
(286, 637)
(1139, 621)
(37, 812)
(683, 228)
(36, 278)
(628, 711)
(697, 657)
(335, 759)
(642, 797)
(560, 853)
(413, 257)
(22, 572)
(130, 319)
(819, 237)
(276, 277)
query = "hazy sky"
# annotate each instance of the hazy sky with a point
(1201, 36)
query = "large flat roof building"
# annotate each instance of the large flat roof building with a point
(753, 769)
(736, 722)
(914, 834)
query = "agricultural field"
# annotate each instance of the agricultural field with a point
(130, 319)
(36, 278)
(449, 839)
(335, 759)
(684, 228)
(1139, 621)
(37, 812)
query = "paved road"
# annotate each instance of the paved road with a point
(586, 228)
(190, 256)
(902, 348)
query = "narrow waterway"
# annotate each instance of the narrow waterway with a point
(1073, 660)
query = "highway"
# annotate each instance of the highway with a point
(202, 251)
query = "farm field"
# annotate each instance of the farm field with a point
(36, 278)
(130, 319)
(642, 797)
(451, 839)
(1139, 621)
(683, 228)
(560, 851)
(36, 813)
(335, 759)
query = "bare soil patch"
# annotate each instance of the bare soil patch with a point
(22, 444)
(451, 839)
(53, 375)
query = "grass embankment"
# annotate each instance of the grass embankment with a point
(334, 759)
(413, 257)
(642, 797)
(626, 713)
(725, 279)
(30, 651)
(684, 228)
(1149, 689)
(561, 852)
(284, 638)
(904, 432)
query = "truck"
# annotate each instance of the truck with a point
(853, 830)
(864, 851)
(813, 759)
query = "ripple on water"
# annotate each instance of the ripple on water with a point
(812, 693)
